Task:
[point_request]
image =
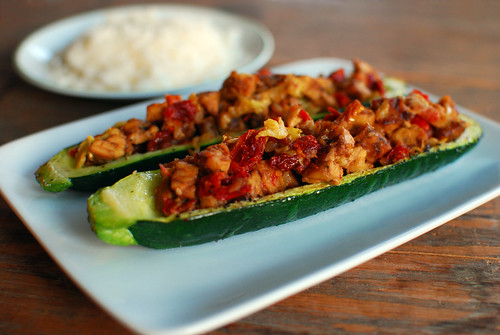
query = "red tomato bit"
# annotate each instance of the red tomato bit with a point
(334, 114)
(161, 140)
(375, 84)
(338, 76)
(342, 99)
(180, 111)
(306, 146)
(419, 121)
(73, 152)
(426, 97)
(220, 185)
(264, 73)
(304, 115)
(248, 150)
(171, 99)
(210, 184)
(285, 162)
(398, 153)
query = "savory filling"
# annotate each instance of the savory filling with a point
(243, 102)
(293, 151)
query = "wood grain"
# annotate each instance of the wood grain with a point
(444, 282)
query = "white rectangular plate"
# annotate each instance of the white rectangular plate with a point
(200, 288)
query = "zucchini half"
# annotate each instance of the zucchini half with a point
(125, 214)
(59, 173)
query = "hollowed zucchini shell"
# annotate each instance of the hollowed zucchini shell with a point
(124, 214)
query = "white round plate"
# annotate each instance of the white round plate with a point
(33, 55)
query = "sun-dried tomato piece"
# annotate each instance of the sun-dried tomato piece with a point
(398, 153)
(375, 84)
(222, 186)
(210, 184)
(265, 72)
(337, 76)
(180, 111)
(426, 97)
(306, 146)
(419, 121)
(285, 162)
(342, 99)
(304, 115)
(171, 99)
(334, 114)
(73, 152)
(161, 140)
(248, 150)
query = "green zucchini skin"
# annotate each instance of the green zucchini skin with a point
(59, 174)
(155, 231)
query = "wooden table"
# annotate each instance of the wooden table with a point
(446, 281)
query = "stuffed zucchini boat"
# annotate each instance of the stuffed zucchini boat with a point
(176, 127)
(282, 172)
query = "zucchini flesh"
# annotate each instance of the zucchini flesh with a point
(59, 173)
(125, 214)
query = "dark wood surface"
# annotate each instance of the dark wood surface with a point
(446, 281)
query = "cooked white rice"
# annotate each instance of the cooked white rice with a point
(143, 51)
